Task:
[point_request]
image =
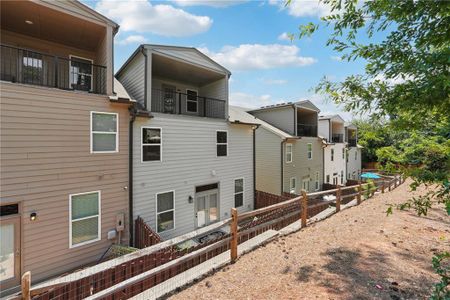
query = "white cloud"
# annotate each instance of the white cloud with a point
(304, 8)
(274, 81)
(162, 19)
(250, 101)
(132, 39)
(284, 37)
(393, 81)
(336, 58)
(258, 57)
(212, 3)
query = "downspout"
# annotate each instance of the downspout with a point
(130, 173)
(254, 165)
(282, 166)
(144, 52)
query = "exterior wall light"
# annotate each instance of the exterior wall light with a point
(190, 199)
(33, 216)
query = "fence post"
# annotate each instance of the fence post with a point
(389, 185)
(338, 199)
(25, 285)
(395, 181)
(358, 197)
(382, 187)
(234, 234)
(304, 207)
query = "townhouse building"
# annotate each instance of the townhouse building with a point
(331, 129)
(289, 155)
(191, 164)
(64, 140)
(353, 159)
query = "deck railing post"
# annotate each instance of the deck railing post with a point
(304, 208)
(25, 285)
(382, 187)
(234, 234)
(358, 197)
(338, 199)
(395, 181)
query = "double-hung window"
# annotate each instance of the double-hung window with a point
(332, 154)
(221, 143)
(239, 192)
(191, 101)
(328, 178)
(317, 181)
(165, 211)
(305, 184)
(343, 153)
(309, 148)
(342, 177)
(84, 218)
(151, 144)
(104, 132)
(288, 153)
(293, 185)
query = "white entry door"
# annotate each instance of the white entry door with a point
(206, 208)
(9, 252)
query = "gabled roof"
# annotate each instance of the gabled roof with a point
(350, 125)
(239, 114)
(307, 104)
(300, 104)
(333, 118)
(273, 106)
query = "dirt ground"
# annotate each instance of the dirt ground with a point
(359, 253)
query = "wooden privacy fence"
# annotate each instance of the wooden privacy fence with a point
(131, 274)
(144, 236)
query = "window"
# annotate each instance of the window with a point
(293, 185)
(288, 153)
(191, 101)
(151, 144)
(317, 181)
(84, 213)
(328, 178)
(239, 192)
(80, 73)
(342, 177)
(104, 132)
(165, 211)
(222, 143)
(305, 184)
(332, 154)
(32, 68)
(354, 175)
(343, 153)
(309, 149)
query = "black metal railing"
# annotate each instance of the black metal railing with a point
(306, 130)
(337, 138)
(173, 102)
(352, 142)
(31, 67)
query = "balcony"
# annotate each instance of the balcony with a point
(36, 68)
(337, 138)
(352, 142)
(172, 102)
(306, 130)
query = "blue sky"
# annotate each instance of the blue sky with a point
(244, 36)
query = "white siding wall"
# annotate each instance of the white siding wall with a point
(324, 129)
(268, 161)
(282, 118)
(133, 78)
(336, 166)
(188, 160)
(354, 165)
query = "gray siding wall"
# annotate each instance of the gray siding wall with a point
(268, 161)
(301, 167)
(353, 165)
(189, 55)
(189, 160)
(282, 118)
(133, 78)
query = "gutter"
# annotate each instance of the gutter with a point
(282, 166)
(144, 52)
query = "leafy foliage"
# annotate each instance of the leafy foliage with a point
(441, 264)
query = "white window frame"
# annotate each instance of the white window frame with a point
(99, 216)
(104, 132)
(196, 101)
(309, 152)
(289, 145)
(160, 145)
(332, 154)
(234, 193)
(226, 144)
(317, 181)
(293, 190)
(306, 181)
(92, 71)
(157, 213)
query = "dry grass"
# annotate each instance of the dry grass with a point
(359, 253)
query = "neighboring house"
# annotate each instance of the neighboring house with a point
(289, 155)
(353, 152)
(331, 128)
(64, 140)
(191, 164)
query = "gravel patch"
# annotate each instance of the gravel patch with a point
(359, 253)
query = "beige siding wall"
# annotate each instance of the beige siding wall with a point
(303, 168)
(268, 161)
(45, 157)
